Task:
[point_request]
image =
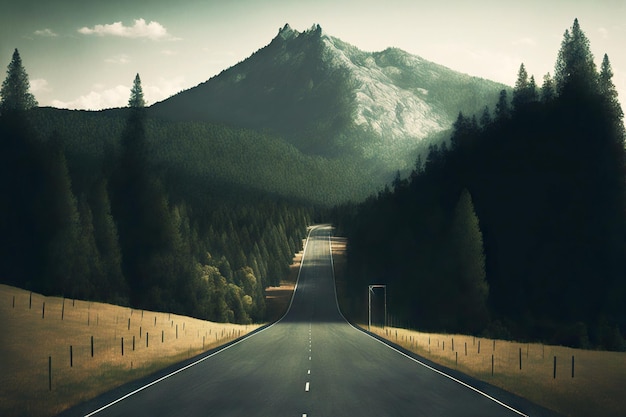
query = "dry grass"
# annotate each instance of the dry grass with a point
(277, 299)
(28, 340)
(597, 388)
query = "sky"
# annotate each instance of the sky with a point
(84, 54)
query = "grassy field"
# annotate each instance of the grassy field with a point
(597, 388)
(33, 333)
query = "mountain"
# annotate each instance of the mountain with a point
(308, 117)
(327, 97)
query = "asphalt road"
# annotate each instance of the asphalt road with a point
(312, 362)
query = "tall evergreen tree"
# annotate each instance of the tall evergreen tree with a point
(467, 264)
(547, 89)
(521, 86)
(21, 181)
(155, 262)
(15, 88)
(136, 99)
(525, 90)
(607, 89)
(575, 70)
(485, 118)
(106, 237)
(66, 257)
(502, 110)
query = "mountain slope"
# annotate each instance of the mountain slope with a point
(329, 98)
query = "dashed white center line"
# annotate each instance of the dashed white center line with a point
(308, 372)
(306, 387)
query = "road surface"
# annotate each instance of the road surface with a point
(311, 363)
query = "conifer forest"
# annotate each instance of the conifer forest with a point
(515, 227)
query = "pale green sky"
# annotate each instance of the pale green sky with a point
(78, 56)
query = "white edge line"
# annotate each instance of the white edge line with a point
(104, 407)
(484, 394)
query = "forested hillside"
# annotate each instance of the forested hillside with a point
(91, 210)
(518, 229)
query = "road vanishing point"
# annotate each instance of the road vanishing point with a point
(311, 363)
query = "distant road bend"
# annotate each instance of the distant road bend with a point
(310, 363)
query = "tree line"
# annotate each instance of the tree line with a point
(117, 226)
(516, 226)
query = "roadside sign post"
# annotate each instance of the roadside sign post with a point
(369, 304)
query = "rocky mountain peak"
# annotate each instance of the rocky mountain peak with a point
(326, 96)
(286, 32)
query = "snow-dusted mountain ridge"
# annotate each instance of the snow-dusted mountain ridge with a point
(328, 97)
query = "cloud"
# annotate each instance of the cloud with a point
(163, 89)
(118, 59)
(105, 98)
(39, 85)
(98, 100)
(140, 29)
(169, 52)
(47, 33)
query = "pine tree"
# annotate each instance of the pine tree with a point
(608, 91)
(575, 70)
(106, 238)
(485, 118)
(532, 90)
(502, 107)
(66, 260)
(521, 86)
(136, 99)
(547, 89)
(525, 90)
(467, 265)
(15, 88)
